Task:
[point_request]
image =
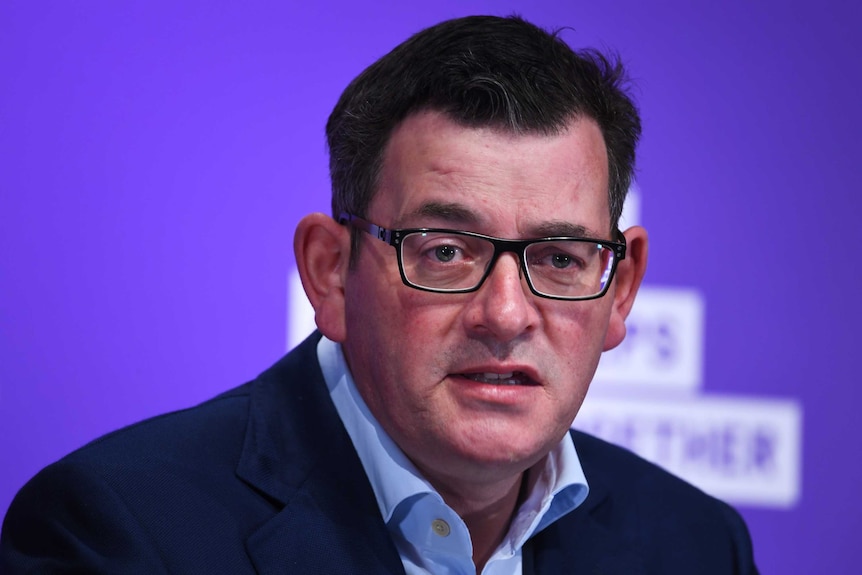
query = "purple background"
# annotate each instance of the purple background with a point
(156, 156)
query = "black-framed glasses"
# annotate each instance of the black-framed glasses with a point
(452, 261)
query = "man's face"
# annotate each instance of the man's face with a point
(478, 386)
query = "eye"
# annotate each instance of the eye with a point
(556, 256)
(443, 250)
(561, 260)
(445, 253)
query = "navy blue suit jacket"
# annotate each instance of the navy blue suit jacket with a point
(264, 479)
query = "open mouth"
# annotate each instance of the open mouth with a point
(510, 378)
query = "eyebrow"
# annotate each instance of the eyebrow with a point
(449, 212)
(455, 214)
(557, 228)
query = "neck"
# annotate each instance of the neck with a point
(487, 514)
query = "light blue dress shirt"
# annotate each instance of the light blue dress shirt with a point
(429, 535)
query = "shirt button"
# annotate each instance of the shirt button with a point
(440, 527)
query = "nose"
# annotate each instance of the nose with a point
(503, 307)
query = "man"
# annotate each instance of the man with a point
(464, 289)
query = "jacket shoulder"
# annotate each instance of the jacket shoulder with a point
(670, 523)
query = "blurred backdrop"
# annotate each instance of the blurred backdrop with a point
(155, 157)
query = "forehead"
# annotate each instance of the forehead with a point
(436, 172)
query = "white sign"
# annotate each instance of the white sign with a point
(739, 449)
(663, 348)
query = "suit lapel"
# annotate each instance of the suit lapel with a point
(305, 538)
(587, 541)
(298, 454)
(578, 544)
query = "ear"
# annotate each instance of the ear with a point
(627, 280)
(322, 250)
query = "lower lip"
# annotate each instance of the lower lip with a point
(493, 394)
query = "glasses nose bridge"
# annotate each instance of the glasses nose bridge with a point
(508, 246)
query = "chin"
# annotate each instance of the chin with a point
(505, 452)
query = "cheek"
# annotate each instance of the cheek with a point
(393, 331)
(578, 336)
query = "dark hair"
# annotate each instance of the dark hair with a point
(480, 71)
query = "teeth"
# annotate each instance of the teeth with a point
(496, 378)
(498, 375)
